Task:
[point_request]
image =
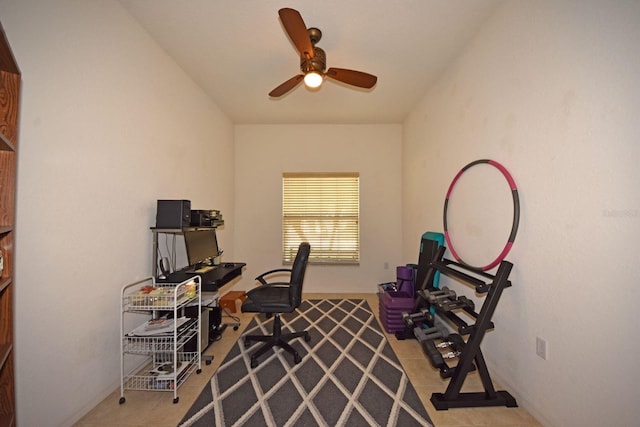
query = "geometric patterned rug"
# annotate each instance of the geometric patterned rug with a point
(349, 376)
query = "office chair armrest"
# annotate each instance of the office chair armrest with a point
(259, 289)
(261, 279)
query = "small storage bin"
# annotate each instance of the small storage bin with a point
(233, 300)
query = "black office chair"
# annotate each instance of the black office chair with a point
(275, 298)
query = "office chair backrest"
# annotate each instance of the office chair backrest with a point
(297, 273)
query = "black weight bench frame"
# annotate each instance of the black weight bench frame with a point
(470, 357)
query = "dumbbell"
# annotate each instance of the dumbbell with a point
(407, 319)
(453, 342)
(410, 319)
(460, 302)
(425, 316)
(456, 342)
(422, 335)
(438, 331)
(436, 296)
(437, 359)
(433, 292)
(450, 355)
(444, 344)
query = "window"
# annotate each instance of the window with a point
(324, 210)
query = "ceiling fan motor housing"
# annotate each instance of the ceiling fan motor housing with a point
(318, 63)
(314, 34)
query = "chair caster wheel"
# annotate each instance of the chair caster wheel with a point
(176, 399)
(307, 337)
(235, 328)
(122, 400)
(198, 371)
(254, 363)
(296, 358)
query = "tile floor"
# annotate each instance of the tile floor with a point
(157, 408)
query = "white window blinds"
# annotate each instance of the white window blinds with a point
(324, 210)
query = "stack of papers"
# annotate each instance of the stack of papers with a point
(160, 326)
(165, 371)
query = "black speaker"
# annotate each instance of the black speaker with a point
(173, 213)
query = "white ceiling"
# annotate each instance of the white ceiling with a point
(237, 51)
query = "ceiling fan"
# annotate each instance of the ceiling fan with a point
(313, 59)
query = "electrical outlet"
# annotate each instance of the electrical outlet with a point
(541, 347)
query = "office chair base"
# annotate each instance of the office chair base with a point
(278, 339)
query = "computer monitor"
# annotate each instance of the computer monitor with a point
(201, 245)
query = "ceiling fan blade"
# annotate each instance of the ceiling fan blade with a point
(286, 86)
(351, 77)
(297, 31)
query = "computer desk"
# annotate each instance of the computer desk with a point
(212, 280)
(213, 283)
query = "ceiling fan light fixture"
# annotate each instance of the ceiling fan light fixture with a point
(313, 79)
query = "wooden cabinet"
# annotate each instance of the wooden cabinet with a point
(9, 105)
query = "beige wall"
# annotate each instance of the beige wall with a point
(109, 124)
(263, 152)
(550, 89)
